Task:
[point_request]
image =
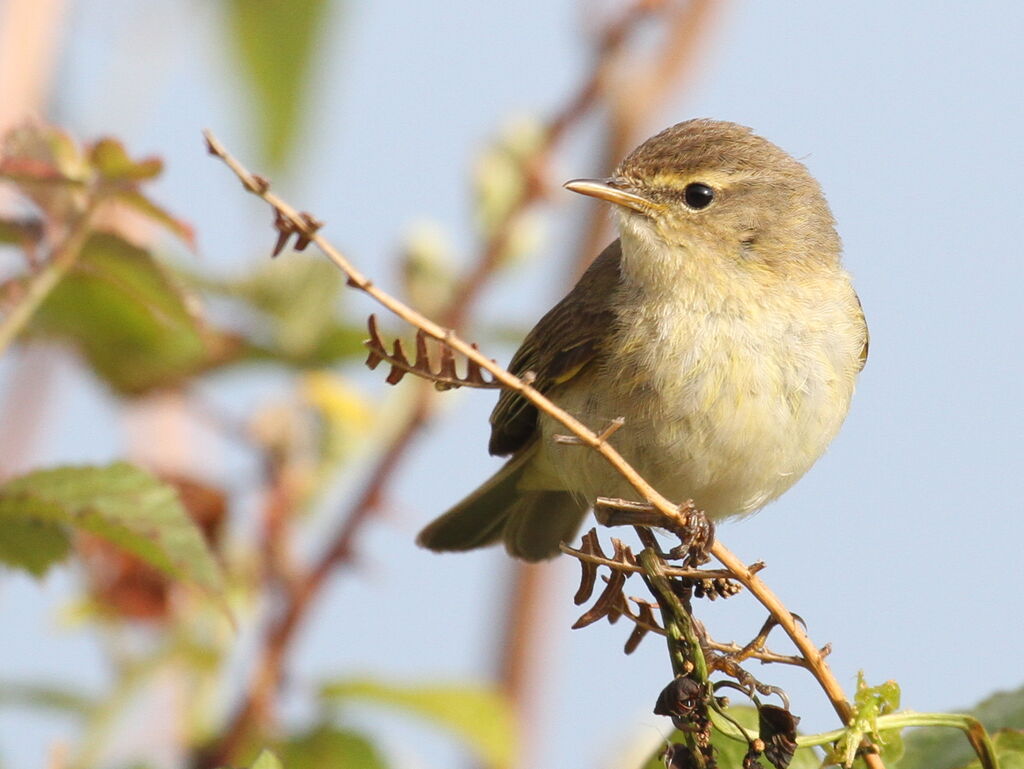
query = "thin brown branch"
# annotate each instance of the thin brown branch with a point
(671, 515)
(278, 509)
(735, 651)
(269, 667)
(590, 556)
(522, 661)
(633, 568)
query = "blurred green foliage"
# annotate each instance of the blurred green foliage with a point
(130, 319)
(292, 311)
(481, 717)
(276, 43)
(947, 748)
(119, 503)
(326, 747)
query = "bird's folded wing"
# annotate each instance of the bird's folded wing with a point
(568, 338)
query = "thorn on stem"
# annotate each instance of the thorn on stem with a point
(260, 184)
(310, 225)
(284, 228)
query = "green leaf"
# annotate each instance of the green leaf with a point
(296, 307)
(276, 44)
(48, 167)
(110, 160)
(121, 504)
(33, 545)
(326, 747)
(730, 752)
(1009, 745)
(1003, 710)
(45, 697)
(135, 327)
(428, 272)
(482, 718)
(267, 760)
(947, 748)
(156, 213)
(37, 152)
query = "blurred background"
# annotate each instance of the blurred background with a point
(407, 128)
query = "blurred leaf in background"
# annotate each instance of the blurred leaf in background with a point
(267, 760)
(480, 717)
(276, 43)
(132, 322)
(947, 748)
(124, 586)
(58, 698)
(48, 167)
(428, 267)
(292, 312)
(119, 503)
(327, 747)
(1009, 745)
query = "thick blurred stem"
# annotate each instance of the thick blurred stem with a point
(29, 43)
(523, 648)
(24, 407)
(256, 711)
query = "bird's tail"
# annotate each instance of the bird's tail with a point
(532, 523)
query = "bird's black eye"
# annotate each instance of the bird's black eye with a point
(698, 195)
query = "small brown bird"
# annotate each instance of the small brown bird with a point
(721, 327)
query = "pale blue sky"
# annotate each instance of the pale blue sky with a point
(902, 547)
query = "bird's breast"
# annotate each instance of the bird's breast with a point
(725, 402)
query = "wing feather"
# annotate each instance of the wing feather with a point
(566, 340)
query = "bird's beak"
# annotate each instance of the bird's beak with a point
(613, 190)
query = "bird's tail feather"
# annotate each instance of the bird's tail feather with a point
(532, 523)
(538, 521)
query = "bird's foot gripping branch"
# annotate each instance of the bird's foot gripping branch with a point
(692, 700)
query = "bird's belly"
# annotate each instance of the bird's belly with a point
(730, 435)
